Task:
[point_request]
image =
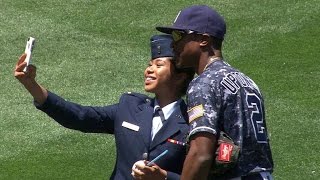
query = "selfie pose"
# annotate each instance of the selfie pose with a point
(143, 127)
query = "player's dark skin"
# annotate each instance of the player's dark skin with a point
(202, 148)
(195, 51)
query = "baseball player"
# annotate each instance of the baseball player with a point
(222, 101)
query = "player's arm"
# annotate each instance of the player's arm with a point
(203, 107)
(27, 79)
(200, 156)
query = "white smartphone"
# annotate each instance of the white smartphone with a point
(28, 51)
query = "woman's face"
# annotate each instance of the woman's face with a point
(158, 76)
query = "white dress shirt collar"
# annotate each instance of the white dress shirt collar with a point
(168, 109)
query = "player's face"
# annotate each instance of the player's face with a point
(158, 76)
(187, 51)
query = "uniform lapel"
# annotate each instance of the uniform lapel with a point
(171, 126)
(144, 117)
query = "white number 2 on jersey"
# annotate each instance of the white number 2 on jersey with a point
(257, 117)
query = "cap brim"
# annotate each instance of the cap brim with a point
(168, 30)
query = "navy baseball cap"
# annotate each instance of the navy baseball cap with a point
(199, 18)
(161, 46)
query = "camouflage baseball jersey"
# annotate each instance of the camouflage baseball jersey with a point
(222, 98)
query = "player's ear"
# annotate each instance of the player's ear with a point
(205, 40)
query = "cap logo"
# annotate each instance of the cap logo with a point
(159, 49)
(177, 17)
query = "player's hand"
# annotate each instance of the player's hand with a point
(25, 77)
(144, 172)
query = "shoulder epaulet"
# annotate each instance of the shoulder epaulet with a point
(138, 95)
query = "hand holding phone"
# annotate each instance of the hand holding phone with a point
(28, 51)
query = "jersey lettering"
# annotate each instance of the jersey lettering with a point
(235, 80)
(227, 83)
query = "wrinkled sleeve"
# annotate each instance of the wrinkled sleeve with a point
(204, 106)
(83, 118)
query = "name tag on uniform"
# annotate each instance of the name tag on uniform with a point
(130, 126)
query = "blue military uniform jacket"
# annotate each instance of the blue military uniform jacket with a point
(130, 121)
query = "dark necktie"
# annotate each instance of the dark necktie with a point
(159, 112)
(156, 125)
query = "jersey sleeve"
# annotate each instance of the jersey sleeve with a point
(204, 102)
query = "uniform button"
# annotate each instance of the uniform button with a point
(147, 100)
(145, 156)
(129, 92)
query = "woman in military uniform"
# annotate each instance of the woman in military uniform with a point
(141, 131)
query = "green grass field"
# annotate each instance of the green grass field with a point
(92, 51)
